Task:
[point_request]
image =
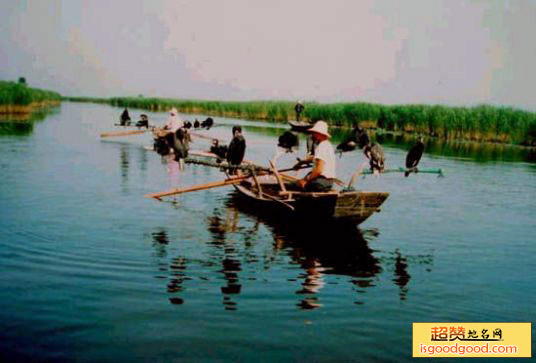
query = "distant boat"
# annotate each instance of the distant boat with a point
(300, 125)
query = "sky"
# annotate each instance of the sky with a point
(452, 52)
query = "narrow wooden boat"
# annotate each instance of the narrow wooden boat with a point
(341, 206)
(300, 125)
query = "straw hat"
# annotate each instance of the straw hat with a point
(320, 127)
(173, 111)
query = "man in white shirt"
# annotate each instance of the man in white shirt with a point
(174, 122)
(320, 179)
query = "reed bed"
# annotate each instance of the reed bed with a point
(478, 123)
(18, 94)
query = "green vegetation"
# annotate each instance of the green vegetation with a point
(18, 94)
(479, 123)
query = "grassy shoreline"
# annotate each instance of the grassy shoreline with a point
(480, 123)
(19, 99)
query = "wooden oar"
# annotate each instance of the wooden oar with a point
(205, 136)
(196, 187)
(209, 185)
(123, 133)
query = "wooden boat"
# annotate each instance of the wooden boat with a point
(300, 125)
(341, 206)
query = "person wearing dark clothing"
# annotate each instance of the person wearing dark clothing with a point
(299, 109)
(237, 148)
(125, 118)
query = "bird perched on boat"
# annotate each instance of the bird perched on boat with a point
(144, 122)
(196, 124)
(311, 145)
(207, 123)
(288, 141)
(347, 145)
(361, 137)
(414, 156)
(237, 147)
(358, 137)
(374, 152)
(187, 125)
(219, 150)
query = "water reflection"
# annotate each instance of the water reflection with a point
(402, 276)
(16, 128)
(23, 124)
(239, 254)
(124, 164)
(230, 265)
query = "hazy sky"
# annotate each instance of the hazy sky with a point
(457, 52)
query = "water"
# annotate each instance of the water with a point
(91, 270)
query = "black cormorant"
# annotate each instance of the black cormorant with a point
(414, 156)
(288, 141)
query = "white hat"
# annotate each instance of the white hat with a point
(320, 127)
(173, 111)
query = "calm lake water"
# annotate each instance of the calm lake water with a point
(92, 270)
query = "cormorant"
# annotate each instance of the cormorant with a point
(288, 141)
(144, 122)
(220, 150)
(207, 123)
(310, 145)
(374, 152)
(414, 156)
(361, 137)
(196, 124)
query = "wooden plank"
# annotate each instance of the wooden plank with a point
(259, 188)
(123, 133)
(277, 176)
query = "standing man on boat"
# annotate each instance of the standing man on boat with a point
(125, 118)
(320, 179)
(174, 122)
(299, 109)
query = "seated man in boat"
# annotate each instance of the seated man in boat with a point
(320, 179)
(124, 120)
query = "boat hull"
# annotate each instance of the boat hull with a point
(300, 125)
(347, 207)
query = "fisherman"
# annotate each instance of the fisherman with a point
(174, 122)
(299, 109)
(236, 150)
(125, 118)
(320, 179)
